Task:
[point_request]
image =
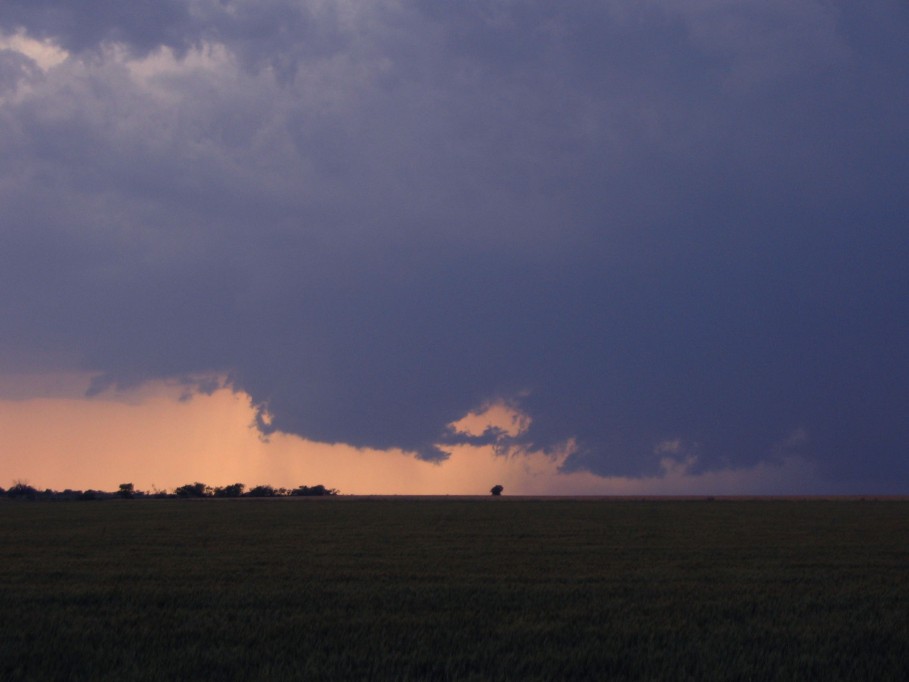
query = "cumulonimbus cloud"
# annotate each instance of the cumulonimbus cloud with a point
(683, 222)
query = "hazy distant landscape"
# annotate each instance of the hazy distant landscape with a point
(455, 588)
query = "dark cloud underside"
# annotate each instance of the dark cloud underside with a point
(640, 224)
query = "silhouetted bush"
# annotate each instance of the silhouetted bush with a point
(127, 491)
(193, 490)
(22, 490)
(233, 490)
(312, 491)
(496, 490)
(261, 491)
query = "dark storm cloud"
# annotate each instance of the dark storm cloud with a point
(270, 33)
(83, 24)
(643, 224)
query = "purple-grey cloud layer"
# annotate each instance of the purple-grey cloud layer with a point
(638, 222)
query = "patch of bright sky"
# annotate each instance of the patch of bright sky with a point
(45, 53)
(498, 416)
(164, 62)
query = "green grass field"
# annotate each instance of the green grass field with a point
(454, 589)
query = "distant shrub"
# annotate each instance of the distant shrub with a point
(496, 490)
(22, 490)
(233, 490)
(127, 491)
(193, 490)
(313, 491)
(262, 491)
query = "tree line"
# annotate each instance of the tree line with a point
(21, 490)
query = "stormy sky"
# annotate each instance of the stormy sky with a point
(656, 229)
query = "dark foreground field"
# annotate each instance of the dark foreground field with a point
(347, 589)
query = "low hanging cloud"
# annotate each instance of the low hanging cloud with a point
(644, 226)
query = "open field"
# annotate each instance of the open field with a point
(452, 589)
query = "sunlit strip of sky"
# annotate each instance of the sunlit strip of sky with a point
(157, 441)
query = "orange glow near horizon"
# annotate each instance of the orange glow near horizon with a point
(154, 440)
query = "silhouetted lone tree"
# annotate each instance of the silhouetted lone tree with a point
(127, 491)
(496, 490)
